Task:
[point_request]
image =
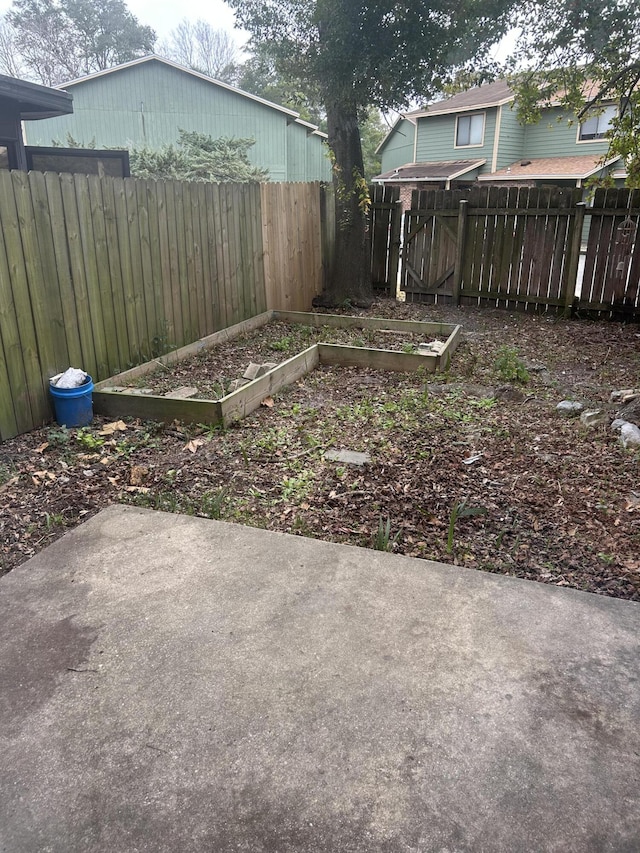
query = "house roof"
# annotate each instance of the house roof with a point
(292, 114)
(34, 101)
(445, 170)
(489, 95)
(574, 168)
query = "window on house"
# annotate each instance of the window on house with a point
(596, 125)
(470, 130)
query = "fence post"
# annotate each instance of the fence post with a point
(461, 238)
(574, 257)
(394, 246)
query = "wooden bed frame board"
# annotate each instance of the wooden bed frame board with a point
(240, 403)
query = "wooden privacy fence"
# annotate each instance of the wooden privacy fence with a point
(516, 247)
(103, 273)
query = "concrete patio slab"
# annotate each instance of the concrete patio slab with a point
(178, 684)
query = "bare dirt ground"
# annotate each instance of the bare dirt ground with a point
(503, 485)
(213, 371)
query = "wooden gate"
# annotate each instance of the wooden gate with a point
(385, 217)
(430, 245)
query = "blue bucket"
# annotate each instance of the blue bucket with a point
(74, 406)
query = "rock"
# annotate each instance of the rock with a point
(254, 370)
(140, 391)
(182, 393)
(617, 425)
(569, 408)
(235, 384)
(348, 457)
(534, 367)
(509, 393)
(593, 417)
(251, 372)
(431, 348)
(631, 411)
(630, 436)
(624, 396)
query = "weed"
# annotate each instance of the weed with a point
(211, 430)
(301, 527)
(5, 474)
(244, 454)
(58, 437)
(408, 347)
(607, 559)
(88, 440)
(282, 345)
(509, 366)
(461, 510)
(213, 504)
(382, 541)
(297, 488)
(54, 520)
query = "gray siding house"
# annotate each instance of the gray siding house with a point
(147, 101)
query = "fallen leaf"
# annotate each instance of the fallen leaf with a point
(113, 480)
(42, 447)
(114, 426)
(143, 489)
(9, 483)
(138, 474)
(268, 402)
(194, 444)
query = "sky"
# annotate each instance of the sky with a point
(165, 15)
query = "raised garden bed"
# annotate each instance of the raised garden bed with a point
(153, 390)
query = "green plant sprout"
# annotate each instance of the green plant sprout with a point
(461, 510)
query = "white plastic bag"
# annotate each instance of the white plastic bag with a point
(71, 378)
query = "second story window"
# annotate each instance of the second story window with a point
(470, 130)
(597, 124)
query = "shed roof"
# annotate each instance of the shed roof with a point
(445, 170)
(578, 167)
(292, 114)
(34, 101)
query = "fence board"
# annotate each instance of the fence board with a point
(103, 297)
(15, 409)
(115, 281)
(18, 274)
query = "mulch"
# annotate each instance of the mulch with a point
(504, 485)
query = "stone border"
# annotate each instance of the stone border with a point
(233, 407)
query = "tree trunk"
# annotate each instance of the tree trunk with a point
(349, 278)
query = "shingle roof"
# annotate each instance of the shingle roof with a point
(442, 171)
(489, 95)
(579, 166)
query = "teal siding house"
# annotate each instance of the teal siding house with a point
(147, 101)
(475, 137)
